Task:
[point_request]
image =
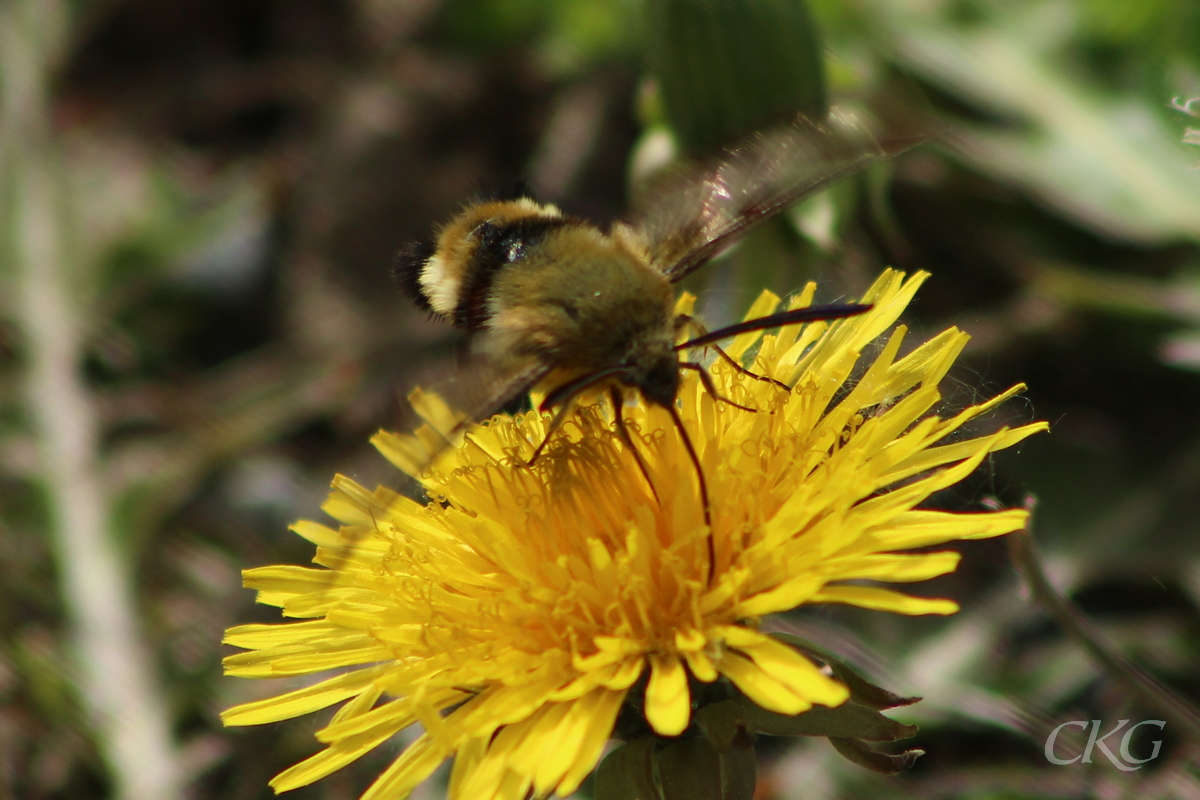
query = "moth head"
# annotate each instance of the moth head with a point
(656, 376)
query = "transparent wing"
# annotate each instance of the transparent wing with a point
(450, 404)
(696, 210)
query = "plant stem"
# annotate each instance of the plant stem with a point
(114, 676)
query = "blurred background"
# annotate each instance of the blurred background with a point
(199, 204)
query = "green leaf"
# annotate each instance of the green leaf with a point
(1107, 160)
(729, 67)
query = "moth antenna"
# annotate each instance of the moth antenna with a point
(687, 443)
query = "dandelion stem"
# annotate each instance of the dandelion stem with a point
(1140, 683)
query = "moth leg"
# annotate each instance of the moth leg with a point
(695, 459)
(711, 388)
(683, 320)
(564, 397)
(618, 403)
(748, 373)
(556, 422)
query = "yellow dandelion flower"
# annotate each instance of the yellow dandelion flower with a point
(513, 616)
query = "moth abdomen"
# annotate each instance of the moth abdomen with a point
(499, 245)
(454, 275)
(407, 267)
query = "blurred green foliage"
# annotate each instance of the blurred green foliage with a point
(726, 69)
(566, 38)
(233, 178)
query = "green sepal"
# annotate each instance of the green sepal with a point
(851, 726)
(862, 691)
(694, 769)
(627, 773)
(847, 720)
(726, 68)
(717, 764)
(865, 756)
(725, 724)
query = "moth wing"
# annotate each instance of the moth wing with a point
(450, 404)
(699, 208)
